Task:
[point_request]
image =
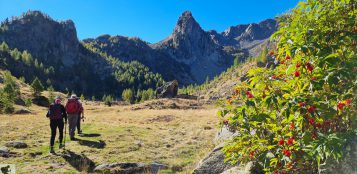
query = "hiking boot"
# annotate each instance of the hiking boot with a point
(73, 139)
(80, 132)
(52, 150)
(61, 146)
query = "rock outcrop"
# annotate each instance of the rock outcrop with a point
(168, 90)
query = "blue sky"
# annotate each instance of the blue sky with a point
(151, 20)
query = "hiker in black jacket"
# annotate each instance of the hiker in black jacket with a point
(56, 113)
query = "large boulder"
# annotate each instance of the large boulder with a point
(213, 163)
(168, 90)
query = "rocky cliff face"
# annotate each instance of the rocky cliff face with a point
(45, 38)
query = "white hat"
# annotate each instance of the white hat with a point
(74, 96)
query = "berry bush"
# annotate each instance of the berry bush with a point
(299, 114)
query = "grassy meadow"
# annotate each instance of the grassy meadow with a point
(178, 138)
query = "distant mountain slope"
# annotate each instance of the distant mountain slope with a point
(76, 68)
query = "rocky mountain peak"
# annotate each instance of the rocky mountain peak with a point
(187, 25)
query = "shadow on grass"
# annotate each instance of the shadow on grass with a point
(94, 144)
(89, 135)
(80, 162)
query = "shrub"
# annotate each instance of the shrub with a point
(108, 100)
(128, 96)
(37, 87)
(299, 115)
(6, 103)
(28, 103)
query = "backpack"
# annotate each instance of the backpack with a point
(72, 106)
(55, 112)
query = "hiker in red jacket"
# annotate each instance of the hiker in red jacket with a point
(73, 108)
(56, 113)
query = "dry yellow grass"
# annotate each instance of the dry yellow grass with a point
(178, 138)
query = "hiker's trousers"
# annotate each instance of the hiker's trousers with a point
(54, 124)
(72, 121)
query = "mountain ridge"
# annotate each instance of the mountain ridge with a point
(190, 54)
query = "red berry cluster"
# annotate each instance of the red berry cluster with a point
(249, 94)
(286, 152)
(342, 104)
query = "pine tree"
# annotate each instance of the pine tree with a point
(4, 47)
(37, 87)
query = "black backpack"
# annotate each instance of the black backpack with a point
(55, 112)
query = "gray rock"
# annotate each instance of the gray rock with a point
(122, 168)
(4, 152)
(16, 144)
(139, 143)
(22, 111)
(348, 164)
(156, 167)
(223, 134)
(130, 168)
(168, 90)
(213, 163)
